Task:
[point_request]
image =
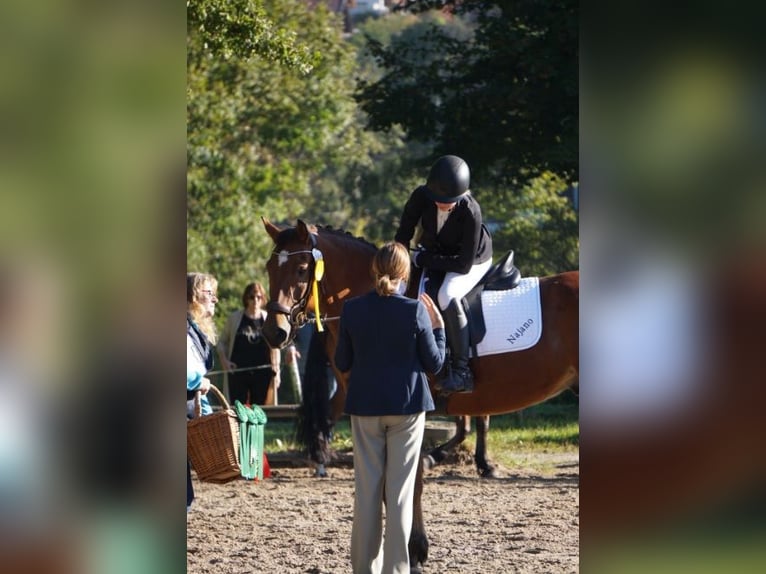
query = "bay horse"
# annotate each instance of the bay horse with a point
(316, 269)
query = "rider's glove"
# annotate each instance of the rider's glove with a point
(414, 255)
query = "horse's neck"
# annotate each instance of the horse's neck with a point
(347, 272)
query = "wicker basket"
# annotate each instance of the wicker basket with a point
(212, 442)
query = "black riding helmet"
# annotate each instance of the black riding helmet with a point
(448, 179)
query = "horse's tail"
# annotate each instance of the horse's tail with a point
(315, 421)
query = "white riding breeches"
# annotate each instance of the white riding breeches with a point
(457, 285)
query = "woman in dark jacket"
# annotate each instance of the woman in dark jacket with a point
(388, 342)
(454, 241)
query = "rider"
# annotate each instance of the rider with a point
(454, 240)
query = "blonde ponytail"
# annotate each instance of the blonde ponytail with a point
(390, 265)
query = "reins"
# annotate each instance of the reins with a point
(240, 370)
(325, 319)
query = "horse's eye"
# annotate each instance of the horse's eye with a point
(303, 270)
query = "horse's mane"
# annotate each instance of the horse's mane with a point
(289, 234)
(346, 234)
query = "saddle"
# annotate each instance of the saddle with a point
(502, 276)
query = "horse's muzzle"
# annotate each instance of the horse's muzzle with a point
(276, 330)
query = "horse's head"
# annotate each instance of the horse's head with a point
(291, 269)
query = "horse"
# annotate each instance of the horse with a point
(316, 269)
(318, 414)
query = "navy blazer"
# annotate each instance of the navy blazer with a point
(388, 345)
(462, 242)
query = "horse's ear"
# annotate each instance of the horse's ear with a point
(303, 230)
(271, 229)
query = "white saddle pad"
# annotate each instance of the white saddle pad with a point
(513, 318)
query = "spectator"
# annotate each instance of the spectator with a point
(251, 366)
(387, 342)
(200, 337)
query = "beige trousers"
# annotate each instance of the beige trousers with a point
(386, 458)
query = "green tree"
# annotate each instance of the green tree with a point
(240, 29)
(267, 135)
(505, 98)
(539, 224)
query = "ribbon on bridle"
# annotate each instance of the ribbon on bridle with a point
(318, 274)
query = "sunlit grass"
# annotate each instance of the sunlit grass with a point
(536, 438)
(280, 436)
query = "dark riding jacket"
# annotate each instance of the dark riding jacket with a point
(462, 242)
(388, 345)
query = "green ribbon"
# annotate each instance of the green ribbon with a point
(251, 426)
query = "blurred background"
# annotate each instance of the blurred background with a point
(92, 256)
(672, 141)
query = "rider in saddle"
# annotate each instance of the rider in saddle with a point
(454, 241)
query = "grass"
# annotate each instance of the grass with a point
(531, 438)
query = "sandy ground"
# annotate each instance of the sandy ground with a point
(526, 521)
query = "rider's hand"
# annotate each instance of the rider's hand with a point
(414, 256)
(204, 385)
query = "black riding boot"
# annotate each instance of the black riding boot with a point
(459, 376)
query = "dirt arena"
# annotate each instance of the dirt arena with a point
(526, 521)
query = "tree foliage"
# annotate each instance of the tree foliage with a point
(265, 137)
(539, 224)
(288, 118)
(504, 99)
(240, 29)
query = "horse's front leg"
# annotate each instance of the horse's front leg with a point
(320, 452)
(438, 454)
(418, 545)
(485, 469)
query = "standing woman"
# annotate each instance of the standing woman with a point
(455, 242)
(200, 336)
(200, 339)
(252, 367)
(388, 342)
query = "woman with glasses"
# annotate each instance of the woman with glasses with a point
(250, 365)
(201, 299)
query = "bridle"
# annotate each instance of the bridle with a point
(296, 313)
